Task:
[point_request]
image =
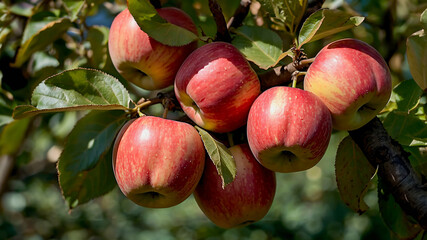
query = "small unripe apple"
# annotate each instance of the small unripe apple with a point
(158, 162)
(142, 60)
(288, 129)
(353, 81)
(245, 200)
(216, 87)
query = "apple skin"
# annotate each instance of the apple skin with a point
(245, 200)
(158, 162)
(142, 60)
(216, 87)
(288, 129)
(353, 81)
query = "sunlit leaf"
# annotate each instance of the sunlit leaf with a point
(394, 217)
(326, 22)
(407, 95)
(6, 108)
(156, 27)
(418, 158)
(73, 7)
(220, 156)
(287, 12)
(85, 165)
(416, 51)
(405, 127)
(4, 32)
(98, 38)
(78, 89)
(423, 19)
(24, 10)
(41, 30)
(353, 174)
(259, 45)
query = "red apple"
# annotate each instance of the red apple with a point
(216, 87)
(245, 200)
(353, 81)
(158, 162)
(288, 129)
(142, 60)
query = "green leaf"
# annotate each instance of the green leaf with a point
(24, 10)
(85, 165)
(416, 52)
(220, 156)
(42, 29)
(78, 89)
(259, 45)
(404, 127)
(287, 13)
(353, 174)
(73, 7)
(418, 158)
(98, 39)
(423, 19)
(4, 32)
(324, 23)
(12, 136)
(156, 27)
(394, 217)
(6, 108)
(407, 95)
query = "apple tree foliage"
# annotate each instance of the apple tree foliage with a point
(57, 63)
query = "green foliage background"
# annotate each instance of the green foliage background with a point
(307, 204)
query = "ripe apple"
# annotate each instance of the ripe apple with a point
(245, 200)
(353, 81)
(158, 162)
(142, 60)
(216, 87)
(288, 129)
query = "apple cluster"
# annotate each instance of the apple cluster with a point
(159, 162)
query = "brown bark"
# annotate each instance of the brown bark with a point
(240, 14)
(394, 168)
(222, 33)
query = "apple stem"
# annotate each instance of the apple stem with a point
(166, 104)
(230, 139)
(295, 76)
(307, 61)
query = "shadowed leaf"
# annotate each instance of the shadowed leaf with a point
(85, 165)
(220, 156)
(353, 174)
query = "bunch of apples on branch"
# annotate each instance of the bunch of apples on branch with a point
(159, 162)
(235, 87)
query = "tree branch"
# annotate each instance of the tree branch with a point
(282, 75)
(394, 168)
(239, 15)
(222, 33)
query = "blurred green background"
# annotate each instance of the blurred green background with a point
(307, 204)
